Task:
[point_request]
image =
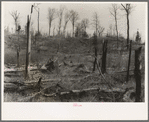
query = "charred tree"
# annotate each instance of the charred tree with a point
(127, 79)
(104, 55)
(137, 73)
(18, 51)
(95, 46)
(18, 46)
(128, 9)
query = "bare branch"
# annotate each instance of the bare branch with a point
(60, 17)
(51, 16)
(15, 16)
(123, 6)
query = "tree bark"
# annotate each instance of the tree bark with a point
(127, 30)
(95, 46)
(28, 49)
(95, 59)
(104, 57)
(137, 72)
(116, 29)
(49, 27)
(65, 28)
(38, 20)
(18, 58)
(73, 29)
(129, 61)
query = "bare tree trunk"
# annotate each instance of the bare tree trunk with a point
(38, 20)
(18, 58)
(96, 27)
(73, 29)
(59, 28)
(49, 27)
(116, 30)
(54, 31)
(95, 46)
(16, 27)
(95, 59)
(18, 50)
(137, 72)
(28, 49)
(127, 30)
(104, 55)
(129, 61)
(65, 28)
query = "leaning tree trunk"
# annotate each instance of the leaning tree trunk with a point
(65, 28)
(127, 30)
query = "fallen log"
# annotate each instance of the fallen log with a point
(12, 75)
(83, 90)
(10, 86)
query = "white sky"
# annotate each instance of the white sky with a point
(138, 18)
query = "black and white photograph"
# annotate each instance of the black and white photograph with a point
(74, 52)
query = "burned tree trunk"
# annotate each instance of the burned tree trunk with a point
(129, 61)
(104, 54)
(95, 46)
(28, 49)
(18, 50)
(137, 72)
(127, 30)
(116, 29)
(95, 59)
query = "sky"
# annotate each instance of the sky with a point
(138, 17)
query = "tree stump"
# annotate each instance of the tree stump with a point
(137, 73)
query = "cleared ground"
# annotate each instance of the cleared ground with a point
(73, 71)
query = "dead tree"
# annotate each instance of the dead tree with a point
(51, 17)
(18, 54)
(15, 16)
(110, 30)
(28, 49)
(95, 46)
(54, 31)
(85, 23)
(128, 9)
(74, 16)
(38, 10)
(137, 73)
(114, 13)
(104, 55)
(100, 30)
(66, 20)
(18, 46)
(96, 22)
(60, 17)
(129, 61)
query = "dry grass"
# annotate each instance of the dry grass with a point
(71, 76)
